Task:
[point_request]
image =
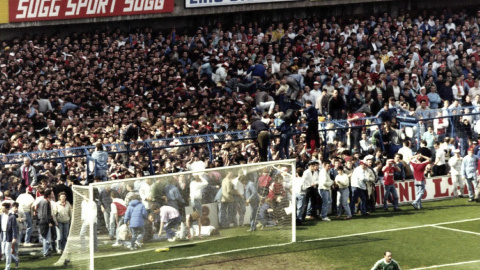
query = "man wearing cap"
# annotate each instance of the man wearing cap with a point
(310, 181)
(419, 163)
(360, 176)
(389, 184)
(469, 173)
(25, 201)
(455, 163)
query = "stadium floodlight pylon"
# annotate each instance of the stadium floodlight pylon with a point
(277, 219)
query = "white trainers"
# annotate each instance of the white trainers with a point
(326, 219)
(138, 244)
(173, 239)
(117, 245)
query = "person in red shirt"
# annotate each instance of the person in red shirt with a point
(389, 185)
(355, 122)
(419, 163)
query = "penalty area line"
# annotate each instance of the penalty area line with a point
(445, 265)
(285, 244)
(455, 230)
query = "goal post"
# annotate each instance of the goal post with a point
(225, 222)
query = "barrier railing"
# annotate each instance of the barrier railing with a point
(416, 125)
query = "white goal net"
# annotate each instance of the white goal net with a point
(134, 223)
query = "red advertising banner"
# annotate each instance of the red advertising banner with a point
(435, 188)
(44, 10)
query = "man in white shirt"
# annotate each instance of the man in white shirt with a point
(25, 201)
(196, 164)
(310, 181)
(359, 187)
(440, 168)
(406, 151)
(365, 143)
(455, 163)
(239, 198)
(196, 187)
(475, 90)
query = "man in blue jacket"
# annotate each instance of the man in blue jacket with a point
(9, 234)
(134, 217)
(101, 158)
(469, 173)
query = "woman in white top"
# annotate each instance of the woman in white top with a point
(342, 181)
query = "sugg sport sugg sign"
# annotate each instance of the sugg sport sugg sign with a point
(42, 10)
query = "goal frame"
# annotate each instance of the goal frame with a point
(287, 162)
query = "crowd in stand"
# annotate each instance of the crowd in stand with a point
(108, 86)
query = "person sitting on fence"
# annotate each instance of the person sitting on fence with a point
(101, 162)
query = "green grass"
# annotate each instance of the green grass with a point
(412, 248)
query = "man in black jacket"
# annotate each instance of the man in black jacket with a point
(336, 106)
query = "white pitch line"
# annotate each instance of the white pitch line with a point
(456, 230)
(444, 265)
(285, 244)
(183, 243)
(390, 230)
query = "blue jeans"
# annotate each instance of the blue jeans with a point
(390, 189)
(172, 223)
(342, 200)
(253, 215)
(102, 174)
(46, 242)
(28, 232)
(63, 228)
(326, 201)
(197, 203)
(301, 205)
(7, 251)
(137, 235)
(419, 191)
(472, 184)
(358, 193)
(283, 147)
(227, 211)
(106, 217)
(463, 146)
(84, 231)
(240, 207)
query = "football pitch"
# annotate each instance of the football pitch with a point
(443, 235)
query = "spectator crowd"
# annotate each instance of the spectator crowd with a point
(108, 86)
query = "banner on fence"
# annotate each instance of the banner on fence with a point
(212, 3)
(435, 188)
(43, 10)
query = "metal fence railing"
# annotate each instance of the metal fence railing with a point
(411, 127)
